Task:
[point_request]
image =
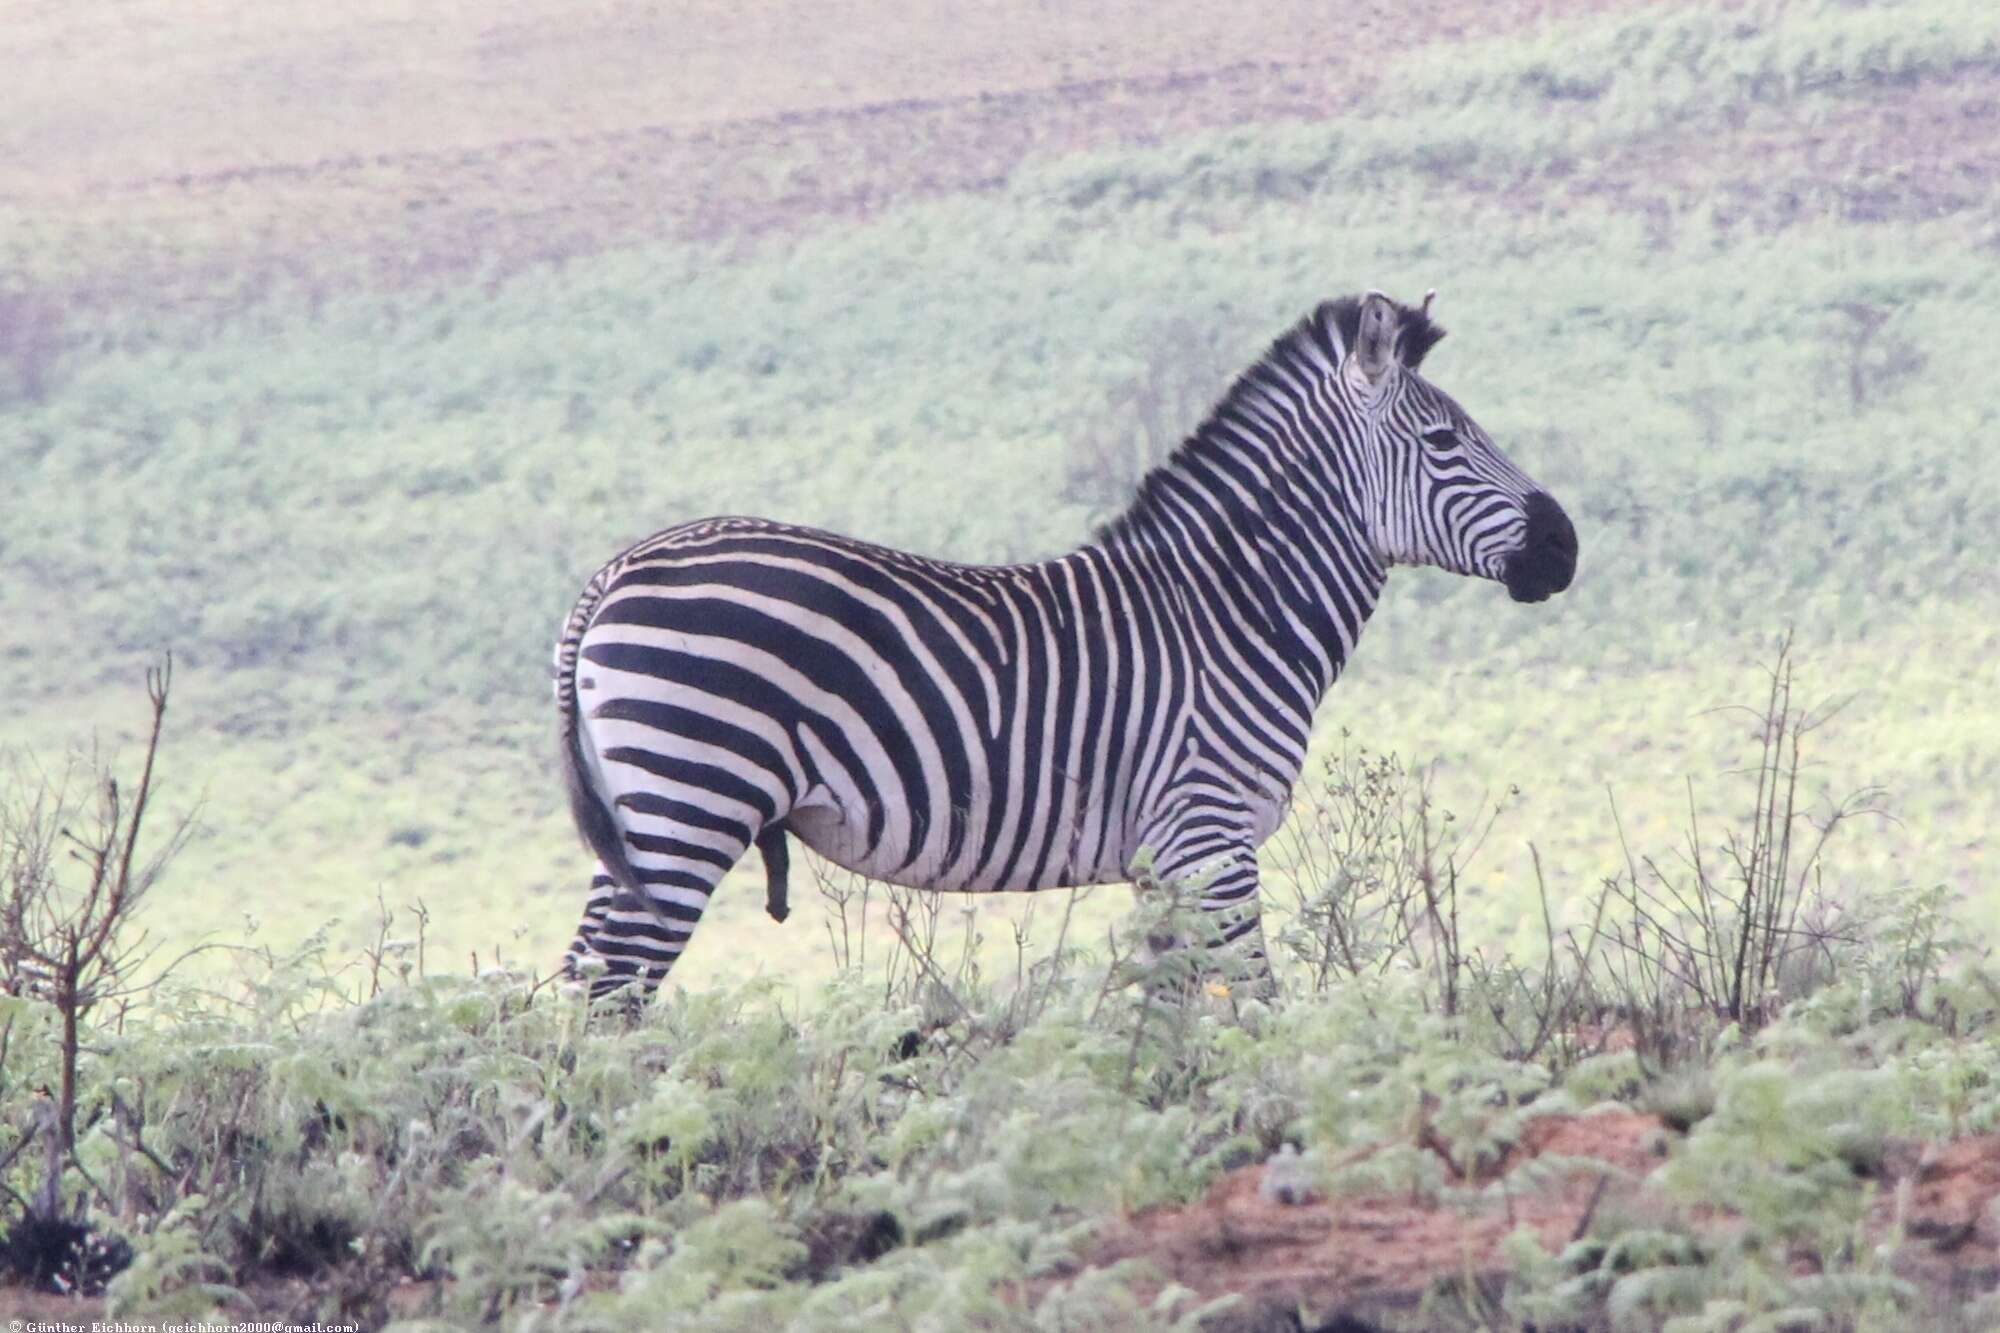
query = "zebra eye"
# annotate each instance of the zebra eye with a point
(1443, 437)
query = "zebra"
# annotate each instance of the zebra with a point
(733, 681)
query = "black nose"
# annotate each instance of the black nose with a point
(1546, 560)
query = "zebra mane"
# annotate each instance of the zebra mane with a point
(1319, 339)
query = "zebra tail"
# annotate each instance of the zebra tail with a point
(594, 818)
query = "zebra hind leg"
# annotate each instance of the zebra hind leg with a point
(607, 978)
(576, 959)
(581, 961)
(626, 937)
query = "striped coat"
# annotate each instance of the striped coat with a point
(732, 681)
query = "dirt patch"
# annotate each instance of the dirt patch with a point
(1369, 1255)
(1942, 1200)
(1364, 1254)
(1628, 1141)
(434, 166)
(207, 86)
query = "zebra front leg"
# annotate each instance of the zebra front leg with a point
(1208, 843)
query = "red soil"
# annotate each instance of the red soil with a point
(1373, 1251)
(1360, 1256)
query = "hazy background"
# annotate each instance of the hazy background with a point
(337, 347)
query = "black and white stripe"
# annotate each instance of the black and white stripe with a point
(945, 726)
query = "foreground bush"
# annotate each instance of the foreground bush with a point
(749, 1159)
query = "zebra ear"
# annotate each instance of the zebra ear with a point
(1375, 338)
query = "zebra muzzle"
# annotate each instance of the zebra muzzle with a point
(1546, 560)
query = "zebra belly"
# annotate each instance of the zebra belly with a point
(953, 865)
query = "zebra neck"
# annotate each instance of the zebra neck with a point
(1282, 576)
(1256, 514)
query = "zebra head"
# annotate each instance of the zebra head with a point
(1436, 489)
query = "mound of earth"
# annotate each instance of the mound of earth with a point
(1940, 1196)
(1364, 1254)
(1351, 1260)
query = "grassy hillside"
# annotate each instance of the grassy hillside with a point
(337, 349)
(1719, 279)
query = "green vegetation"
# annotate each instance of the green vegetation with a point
(916, 1141)
(1722, 280)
